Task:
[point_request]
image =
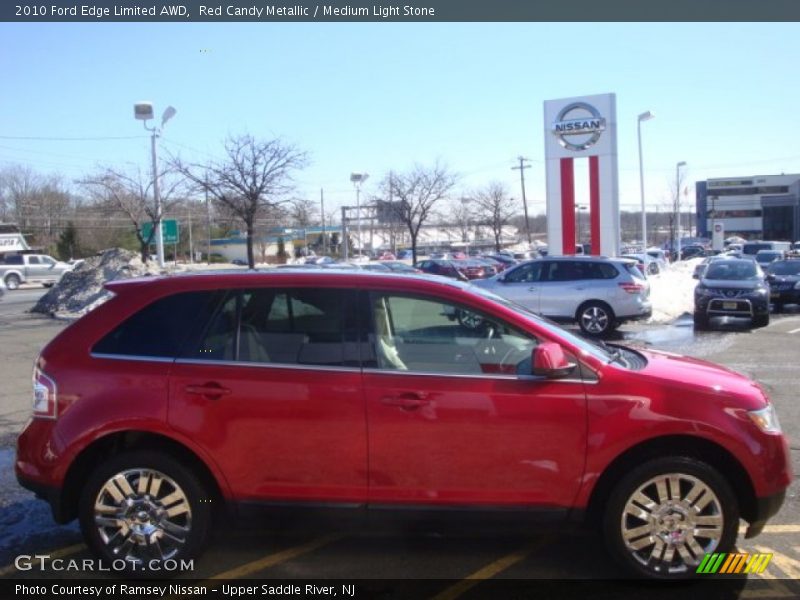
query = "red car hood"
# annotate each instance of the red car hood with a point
(693, 373)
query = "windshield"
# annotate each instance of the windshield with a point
(730, 270)
(787, 267)
(592, 348)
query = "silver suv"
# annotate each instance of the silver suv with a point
(598, 293)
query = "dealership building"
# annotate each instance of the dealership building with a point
(765, 207)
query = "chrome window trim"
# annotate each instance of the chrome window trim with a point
(236, 363)
(531, 378)
(136, 357)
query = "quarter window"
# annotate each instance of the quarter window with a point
(161, 328)
(430, 336)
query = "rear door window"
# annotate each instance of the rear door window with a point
(283, 326)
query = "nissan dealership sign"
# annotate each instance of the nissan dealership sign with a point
(581, 135)
(579, 126)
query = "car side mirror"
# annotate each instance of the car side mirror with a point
(550, 361)
(695, 276)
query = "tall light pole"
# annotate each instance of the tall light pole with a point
(645, 116)
(143, 111)
(358, 179)
(678, 203)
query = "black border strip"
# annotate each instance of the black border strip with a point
(402, 11)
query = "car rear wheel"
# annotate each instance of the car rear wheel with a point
(12, 281)
(143, 506)
(652, 268)
(664, 516)
(596, 318)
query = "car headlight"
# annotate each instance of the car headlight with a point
(761, 291)
(766, 419)
(797, 285)
(703, 291)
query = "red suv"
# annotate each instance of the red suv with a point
(359, 390)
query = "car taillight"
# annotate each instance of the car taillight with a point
(632, 288)
(44, 395)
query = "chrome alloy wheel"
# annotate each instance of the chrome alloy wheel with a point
(142, 515)
(595, 320)
(671, 522)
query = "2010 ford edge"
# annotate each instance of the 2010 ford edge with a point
(390, 392)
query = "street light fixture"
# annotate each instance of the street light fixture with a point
(645, 116)
(358, 179)
(678, 203)
(143, 111)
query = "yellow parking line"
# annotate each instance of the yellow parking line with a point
(60, 553)
(788, 565)
(489, 571)
(276, 558)
(776, 529)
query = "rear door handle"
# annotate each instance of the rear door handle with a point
(531, 289)
(406, 400)
(213, 391)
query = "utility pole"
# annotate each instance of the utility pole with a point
(522, 166)
(322, 217)
(345, 250)
(208, 225)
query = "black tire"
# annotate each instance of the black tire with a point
(701, 321)
(48, 285)
(145, 516)
(761, 320)
(595, 318)
(12, 281)
(673, 520)
(652, 268)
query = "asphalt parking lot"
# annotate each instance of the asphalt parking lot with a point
(456, 564)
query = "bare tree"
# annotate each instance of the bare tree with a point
(251, 180)
(415, 195)
(129, 193)
(461, 213)
(39, 204)
(303, 212)
(495, 208)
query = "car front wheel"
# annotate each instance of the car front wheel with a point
(142, 508)
(665, 515)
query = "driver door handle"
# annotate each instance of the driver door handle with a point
(406, 400)
(531, 289)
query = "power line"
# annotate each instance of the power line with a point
(71, 139)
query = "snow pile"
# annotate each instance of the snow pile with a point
(81, 290)
(672, 291)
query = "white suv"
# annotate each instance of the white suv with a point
(598, 293)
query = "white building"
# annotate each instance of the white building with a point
(765, 207)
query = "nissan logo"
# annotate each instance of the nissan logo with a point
(581, 123)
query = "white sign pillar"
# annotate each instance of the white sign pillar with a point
(582, 127)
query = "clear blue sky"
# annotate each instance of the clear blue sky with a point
(378, 96)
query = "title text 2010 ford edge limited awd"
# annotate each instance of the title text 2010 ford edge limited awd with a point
(385, 392)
